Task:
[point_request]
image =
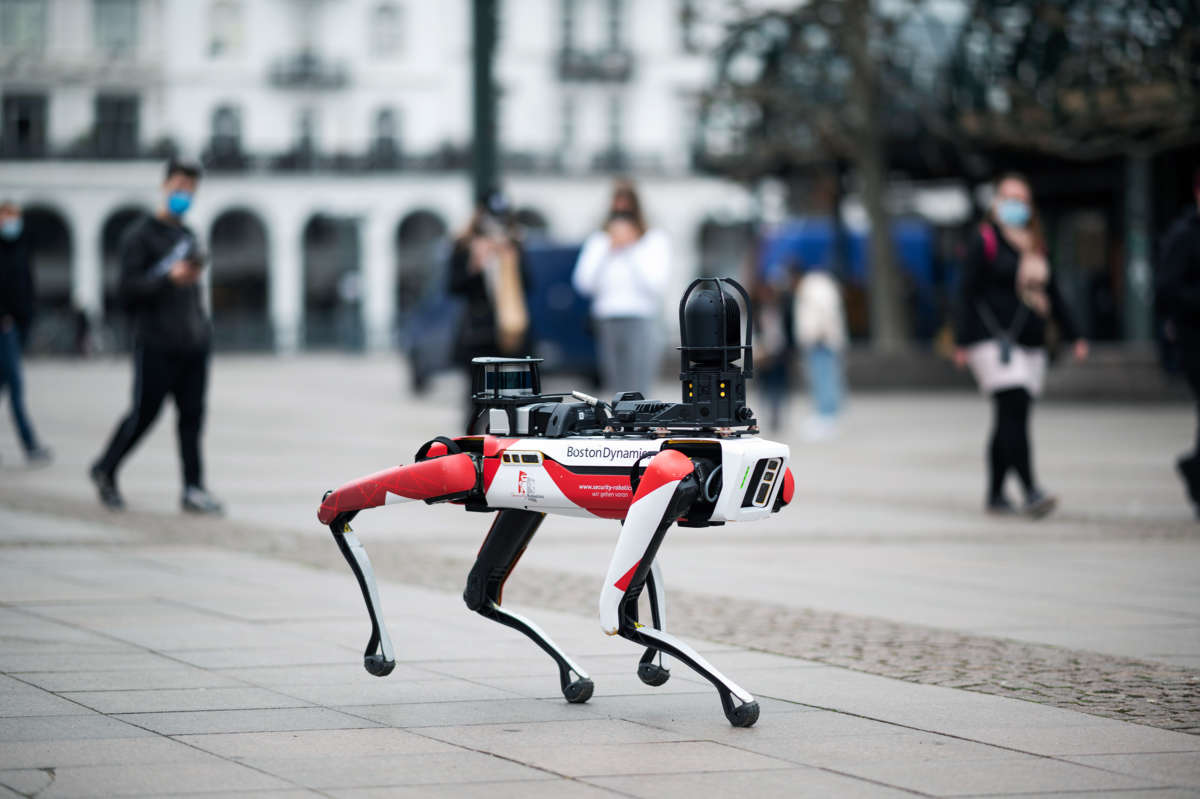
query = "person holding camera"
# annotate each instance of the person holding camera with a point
(161, 269)
(1008, 297)
(488, 271)
(625, 269)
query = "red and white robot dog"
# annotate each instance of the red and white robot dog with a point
(649, 464)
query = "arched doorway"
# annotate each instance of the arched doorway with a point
(332, 283)
(240, 280)
(56, 326)
(115, 332)
(422, 246)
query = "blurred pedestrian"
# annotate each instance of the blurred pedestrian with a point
(1008, 297)
(1179, 291)
(822, 327)
(488, 270)
(625, 268)
(161, 266)
(16, 316)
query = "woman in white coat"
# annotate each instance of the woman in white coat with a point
(624, 269)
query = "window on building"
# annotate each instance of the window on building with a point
(568, 24)
(24, 126)
(226, 146)
(616, 24)
(386, 30)
(23, 25)
(116, 131)
(385, 147)
(567, 123)
(616, 123)
(226, 30)
(306, 136)
(115, 26)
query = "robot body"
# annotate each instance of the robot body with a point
(649, 465)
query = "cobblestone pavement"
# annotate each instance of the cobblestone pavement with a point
(1127, 689)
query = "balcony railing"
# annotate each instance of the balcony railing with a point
(609, 66)
(307, 70)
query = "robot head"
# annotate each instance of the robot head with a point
(711, 345)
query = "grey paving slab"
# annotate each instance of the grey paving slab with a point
(655, 757)
(1150, 793)
(129, 679)
(839, 752)
(65, 662)
(222, 657)
(381, 741)
(530, 735)
(540, 789)
(1174, 768)
(27, 700)
(170, 699)
(98, 752)
(666, 709)
(440, 714)
(59, 728)
(369, 689)
(414, 769)
(1004, 776)
(1102, 737)
(203, 721)
(348, 672)
(148, 778)
(793, 783)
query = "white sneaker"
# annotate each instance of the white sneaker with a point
(820, 428)
(197, 500)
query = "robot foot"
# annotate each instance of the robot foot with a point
(378, 665)
(653, 674)
(579, 691)
(744, 715)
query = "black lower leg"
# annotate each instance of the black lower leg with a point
(505, 543)
(649, 672)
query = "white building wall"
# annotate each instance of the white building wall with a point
(427, 83)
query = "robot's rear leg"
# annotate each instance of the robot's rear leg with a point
(505, 543)
(649, 672)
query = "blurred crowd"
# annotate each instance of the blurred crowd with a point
(1008, 310)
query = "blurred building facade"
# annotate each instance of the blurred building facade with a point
(336, 136)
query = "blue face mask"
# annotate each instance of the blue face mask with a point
(11, 228)
(178, 202)
(1013, 213)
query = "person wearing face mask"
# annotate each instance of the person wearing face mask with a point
(1008, 297)
(161, 267)
(16, 314)
(625, 268)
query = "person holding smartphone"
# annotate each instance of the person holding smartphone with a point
(625, 268)
(161, 269)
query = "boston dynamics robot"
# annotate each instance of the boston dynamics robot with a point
(647, 463)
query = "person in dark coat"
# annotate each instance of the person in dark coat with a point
(161, 266)
(488, 270)
(1008, 298)
(16, 316)
(1179, 291)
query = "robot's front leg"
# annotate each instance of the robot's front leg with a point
(379, 658)
(666, 492)
(505, 543)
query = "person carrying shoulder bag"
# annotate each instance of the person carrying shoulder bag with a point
(1008, 298)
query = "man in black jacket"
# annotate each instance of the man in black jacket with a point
(1179, 289)
(161, 265)
(16, 314)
